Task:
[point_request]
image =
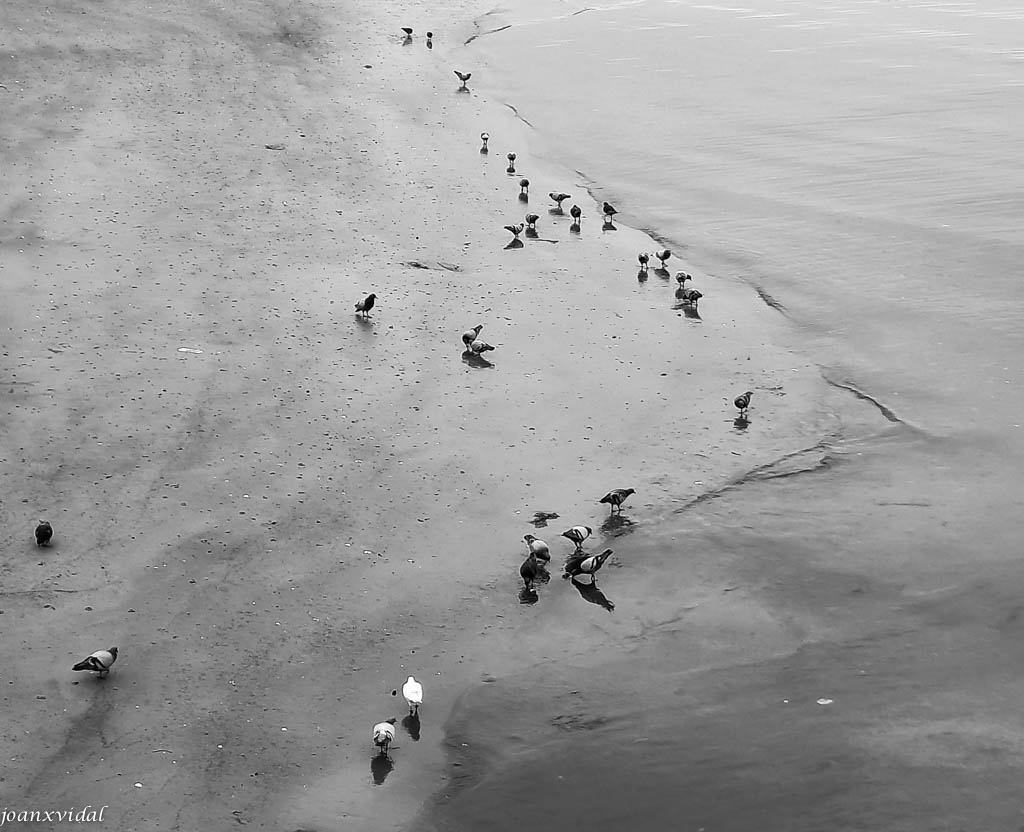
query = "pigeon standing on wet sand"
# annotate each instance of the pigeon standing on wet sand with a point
(413, 693)
(743, 402)
(511, 163)
(577, 534)
(644, 259)
(478, 347)
(559, 198)
(470, 335)
(690, 296)
(364, 306)
(524, 186)
(383, 734)
(531, 221)
(44, 531)
(681, 278)
(616, 497)
(576, 212)
(586, 565)
(99, 662)
(663, 256)
(464, 77)
(515, 229)
(529, 571)
(538, 548)
(609, 211)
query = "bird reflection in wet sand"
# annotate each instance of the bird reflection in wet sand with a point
(380, 768)
(608, 225)
(476, 360)
(528, 596)
(594, 595)
(464, 77)
(642, 275)
(616, 524)
(741, 422)
(411, 723)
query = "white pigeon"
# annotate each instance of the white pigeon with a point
(99, 662)
(383, 734)
(413, 693)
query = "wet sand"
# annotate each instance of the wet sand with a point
(276, 510)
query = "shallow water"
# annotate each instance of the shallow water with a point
(856, 163)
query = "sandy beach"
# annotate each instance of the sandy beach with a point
(277, 509)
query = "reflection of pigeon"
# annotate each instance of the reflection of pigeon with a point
(609, 211)
(478, 347)
(469, 336)
(743, 402)
(586, 564)
(364, 306)
(529, 571)
(538, 548)
(531, 220)
(383, 734)
(515, 229)
(44, 531)
(413, 693)
(559, 198)
(691, 296)
(644, 259)
(663, 256)
(99, 662)
(576, 212)
(577, 534)
(617, 497)
(464, 76)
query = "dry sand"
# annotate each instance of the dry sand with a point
(276, 510)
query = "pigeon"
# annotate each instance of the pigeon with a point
(609, 211)
(364, 306)
(538, 548)
(617, 497)
(464, 76)
(529, 571)
(531, 220)
(383, 734)
(586, 564)
(682, 277)
(515, 229)
(644, 259)
(469, 336)
(511, 163)
(44, 531)
(413, 693)
(99, 662)
(691, 296)
(663, 256)
(559, 198)
(524, 186)
(430, 35)
(576, 212)
(743, 402)
(484, 137)
(407, 30)
(478, 347)
(577, 534)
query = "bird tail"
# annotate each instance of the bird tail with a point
(88, 664)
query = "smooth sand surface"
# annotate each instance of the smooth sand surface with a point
(275, 509)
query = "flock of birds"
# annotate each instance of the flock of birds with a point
(534, 568)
